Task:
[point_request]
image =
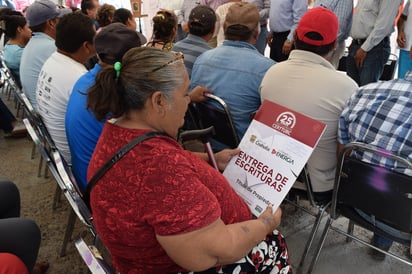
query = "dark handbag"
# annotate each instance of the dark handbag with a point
(123, 151)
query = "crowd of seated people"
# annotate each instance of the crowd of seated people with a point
(159, 199)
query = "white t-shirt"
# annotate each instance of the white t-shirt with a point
(54, 86)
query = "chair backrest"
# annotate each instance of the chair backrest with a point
(215, 112)
(39, 142)
(373, 189)
(72, 192)
(63, 176)
(10, 77)
(305, 179)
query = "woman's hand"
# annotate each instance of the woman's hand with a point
(270, 219)
(223, 157)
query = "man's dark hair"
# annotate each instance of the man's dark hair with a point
(122, 15)
(12, 20)
(73, 30)
(319, 50)
(238, 33)
(86, 5)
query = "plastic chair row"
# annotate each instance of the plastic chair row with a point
(9, 85)
(67, 184)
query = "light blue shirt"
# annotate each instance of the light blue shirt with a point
(284, 15)
(12, 56)
(344, 11)
(233, 71)
(37, 51)
(82, 128)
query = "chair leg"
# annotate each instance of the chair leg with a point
(46, 172)
(320, 245)
(351, 226)
(69, 231)
(40, 167)
(57, 197)
(315, 228)
(33, 151)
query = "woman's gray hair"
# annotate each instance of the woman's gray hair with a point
(144, 70)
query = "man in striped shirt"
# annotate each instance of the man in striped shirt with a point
(202, 21)
(380, 114)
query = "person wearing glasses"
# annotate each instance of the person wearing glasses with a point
(162, 209)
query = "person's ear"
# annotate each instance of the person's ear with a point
(89, 47)
(52, 23)
(158, 101)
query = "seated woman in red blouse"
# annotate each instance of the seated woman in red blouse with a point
(161, 209)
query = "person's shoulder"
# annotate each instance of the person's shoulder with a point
(180, 45)
(344, 78)
(207, 54)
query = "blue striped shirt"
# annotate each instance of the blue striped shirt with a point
(380, 114)
(191, 47)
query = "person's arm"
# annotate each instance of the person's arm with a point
(217, 243)
(401, 38)
(299, 7)
(383, 26)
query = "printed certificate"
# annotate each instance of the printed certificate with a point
(273, 152)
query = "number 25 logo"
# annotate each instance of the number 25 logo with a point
(287, 119)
